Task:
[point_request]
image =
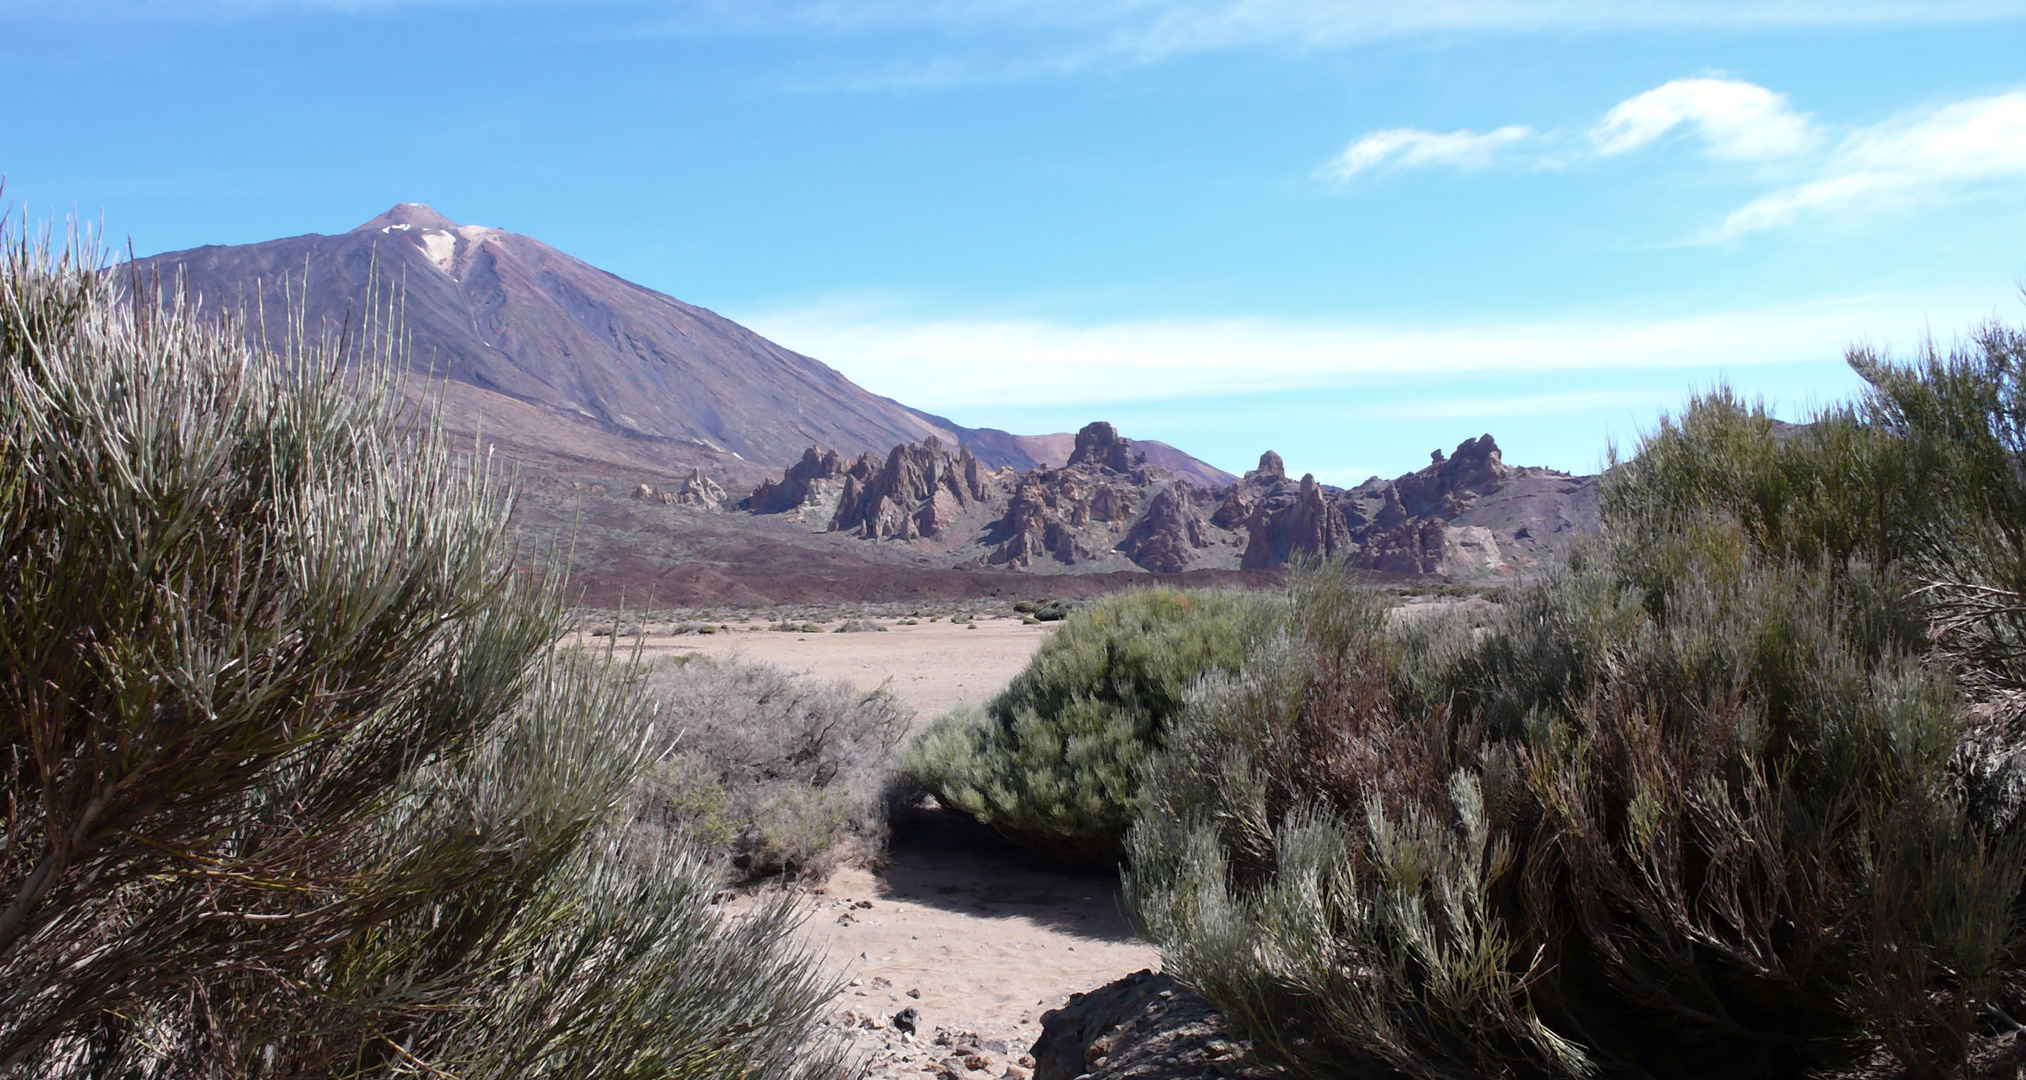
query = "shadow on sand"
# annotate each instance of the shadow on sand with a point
(943, 859)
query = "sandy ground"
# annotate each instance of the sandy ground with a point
(974, 934)
(977, 937)
(932, 665)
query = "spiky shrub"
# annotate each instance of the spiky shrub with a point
(775, 772)
(1055, 759)
(1693, 824)
(294, 784)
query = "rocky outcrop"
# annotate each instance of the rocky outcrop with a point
(695, 490)
(1107, 500)
(1465, 515)
(1449, 485)
(1099, 446)
(920, 492)
(806, 483)
(1302, 520)
(1166, 538)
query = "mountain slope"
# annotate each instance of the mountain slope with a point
(570, 365)
(511, 315)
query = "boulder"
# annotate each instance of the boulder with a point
(1099, 446)
(1145, 1026)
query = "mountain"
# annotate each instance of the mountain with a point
(568, 365)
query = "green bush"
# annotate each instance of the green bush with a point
(295, 782)
(1055, 759)
(1695, 827)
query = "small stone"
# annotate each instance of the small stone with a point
(976, 1062)
(863, 904)
(1026, 1061)
(914, 992)
(1015, 1072)
(907, 1020)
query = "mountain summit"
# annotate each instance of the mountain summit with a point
(561, 360)
(512, 317)
(409, 215)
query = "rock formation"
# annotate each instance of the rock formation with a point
(1466, 515)
(921, 492)
(807, 482)
(696, 490)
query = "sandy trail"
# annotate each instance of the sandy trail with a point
(985, 935)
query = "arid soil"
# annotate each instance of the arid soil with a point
(930, 667)
(974, 934)
(978, 938)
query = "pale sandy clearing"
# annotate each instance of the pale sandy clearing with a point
(988, 937)
(932, 666)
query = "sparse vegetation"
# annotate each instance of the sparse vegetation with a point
(1055, 759)
(1732, 794)
(294, 782)
(772, 772)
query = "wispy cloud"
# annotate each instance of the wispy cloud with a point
(1736, 120)
(946, 362)
(1960, 144)
(1164, 27)
(1924, 153)
(1406, 148)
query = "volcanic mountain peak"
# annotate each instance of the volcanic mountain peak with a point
(567, 361)
(408, 215)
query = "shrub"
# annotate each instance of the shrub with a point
(1054, 760)
(295, 783)
(773, 772)
(1709, 830)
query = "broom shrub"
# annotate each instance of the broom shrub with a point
(1734, 792)
(1055, 759)
(292, 779)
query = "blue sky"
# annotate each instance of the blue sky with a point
(1349, 231)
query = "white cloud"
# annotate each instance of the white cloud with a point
(951, 363)
(1911, 155)
(1400, 148)
(1738, 120)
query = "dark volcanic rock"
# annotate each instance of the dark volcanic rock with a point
(1099, 446)
(921, 491)
(796, 487)
(1144, 1026)
(1466, 514)
(1270, 468)
(1307, 522)
(1166, 537)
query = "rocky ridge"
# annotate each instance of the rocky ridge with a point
(1467, 515)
